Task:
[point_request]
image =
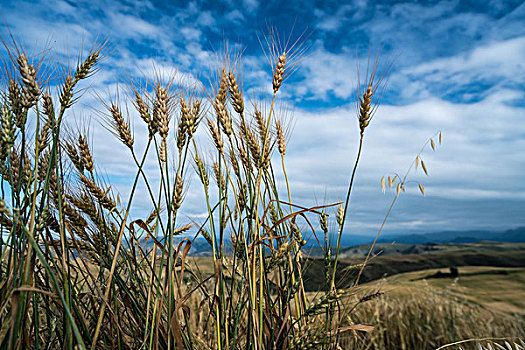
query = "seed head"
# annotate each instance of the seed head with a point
(280, 138)
(122, 128)
(177, 194)
(160, 112)
(28, 73)
(216, 136)
(278, 74)
(85, 153)
(237, 101)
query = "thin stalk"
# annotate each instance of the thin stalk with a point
(347, 202)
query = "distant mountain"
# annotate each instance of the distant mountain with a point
(514, 235)
(201, 248)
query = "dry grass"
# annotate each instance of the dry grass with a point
(426, 314)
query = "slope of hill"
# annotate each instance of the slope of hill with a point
(476, 254)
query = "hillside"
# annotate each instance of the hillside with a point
(474, 254)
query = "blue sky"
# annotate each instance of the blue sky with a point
(459, 68)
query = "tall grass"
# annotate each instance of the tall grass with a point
(74, 270)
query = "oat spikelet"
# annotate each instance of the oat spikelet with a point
(422, 189)
(122, 128)
(383, 184)
(433, 145)
(424, 167)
